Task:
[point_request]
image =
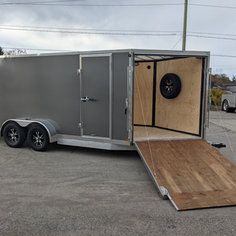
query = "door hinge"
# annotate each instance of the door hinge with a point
(130, 69)
(126, 105)
(130, 135)
(126, 102)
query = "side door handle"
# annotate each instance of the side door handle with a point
(87, 99)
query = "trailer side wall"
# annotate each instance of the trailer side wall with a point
(48, 87)
(41, 87)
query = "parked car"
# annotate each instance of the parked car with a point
(228, 101)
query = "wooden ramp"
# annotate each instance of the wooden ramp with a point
(192, 173)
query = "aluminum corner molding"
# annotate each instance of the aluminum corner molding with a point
(130, 84)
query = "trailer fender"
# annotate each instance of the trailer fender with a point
(50, 126)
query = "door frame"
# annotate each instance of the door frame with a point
(109, 55)
(203, 91)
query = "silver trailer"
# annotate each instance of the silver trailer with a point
(87, 98)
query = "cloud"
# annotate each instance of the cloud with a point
(215, 20)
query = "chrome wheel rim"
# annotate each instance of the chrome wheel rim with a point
(169, 86)
(38, 138)
(13, 135)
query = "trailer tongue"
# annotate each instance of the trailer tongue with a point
(191, 173)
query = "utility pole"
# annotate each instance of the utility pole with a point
(185, 25)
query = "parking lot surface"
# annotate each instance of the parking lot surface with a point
(78, 191)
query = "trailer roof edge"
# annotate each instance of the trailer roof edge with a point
(135, 51)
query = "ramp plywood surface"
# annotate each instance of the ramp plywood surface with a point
(143, 86)
(195, 174)
(185, 107)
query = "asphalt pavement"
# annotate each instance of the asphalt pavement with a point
(79, 191)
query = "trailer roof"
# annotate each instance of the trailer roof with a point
(135, 51)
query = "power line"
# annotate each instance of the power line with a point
(75, 29)
(211, 37)
(39, 2)
(205, 33)
(92, 5)
(215, 6)
(219, 55)
(180, 38)
(85, 32)
(106, 32)
(98, 32)
(71, 30)
(56, 1)
(90, 29)
(60, 3)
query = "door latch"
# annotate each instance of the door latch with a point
(87, 99)
(79, 71)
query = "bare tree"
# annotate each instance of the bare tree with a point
(15, 51)
(1, 51)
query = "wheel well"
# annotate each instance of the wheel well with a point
(51, 130)
(5, 124)
(38, 124)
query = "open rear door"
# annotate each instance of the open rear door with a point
(192, 173)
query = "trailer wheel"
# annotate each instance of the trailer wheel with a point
(170, 86)
(14, 135)
(37, 138)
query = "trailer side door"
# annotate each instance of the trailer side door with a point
(95, 101)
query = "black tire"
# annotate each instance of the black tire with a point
(14, 135)
(170, 86)
(225, 106)
(37, 138)
(230, 110)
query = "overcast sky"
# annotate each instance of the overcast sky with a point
(154, 18)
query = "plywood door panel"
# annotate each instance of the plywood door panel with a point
(143, 93)
(183, 112)
(195, 174)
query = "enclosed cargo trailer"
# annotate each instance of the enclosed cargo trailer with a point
(91, 99)
(149, 100)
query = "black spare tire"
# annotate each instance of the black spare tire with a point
(170, 86)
